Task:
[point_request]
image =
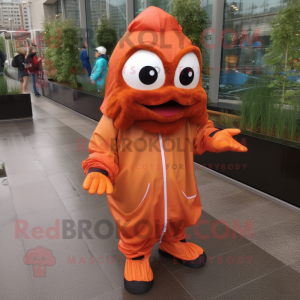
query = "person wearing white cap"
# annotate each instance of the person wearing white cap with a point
(100, 68)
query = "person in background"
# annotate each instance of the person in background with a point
(22, 76)
(32, 59)
(100, 68)
(85, 59)
(2, 62)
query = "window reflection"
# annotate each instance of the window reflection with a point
(246, 38)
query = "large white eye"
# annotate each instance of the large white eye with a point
(187, 74)
(144, 70)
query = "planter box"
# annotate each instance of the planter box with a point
(81, 102)
(15, 106)
(270, 165)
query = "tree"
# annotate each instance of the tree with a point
(193, 19)
(2, 45)
(12, 48)
(63, 39)
(106, 35)
(283, 53)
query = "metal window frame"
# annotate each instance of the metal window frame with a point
(216, 53)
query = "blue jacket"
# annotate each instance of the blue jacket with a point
(85, 61)
(100, 70)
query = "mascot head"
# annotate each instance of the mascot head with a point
(154, 77)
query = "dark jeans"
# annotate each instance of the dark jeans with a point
(34, 85)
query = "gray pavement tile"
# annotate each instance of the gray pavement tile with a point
(203, 177)
(32, 193)
(27, 127)
(73, 276)
(227, 272)
(49, 123)
(15, 147)
(15, 279)
(23, 164)
(86, 131)
(262, 216)
(78, 151)
(7, 210)
(281, 284)
(223, 206)
(217, 189)
(295, 266)
(63, 186)
(78, 121)
(65, 135)
(69, 185)
(8, 130)
(165, 286)
(40, 140)
(56, 161)
(281, 240)
(102, 237)
(213, 237)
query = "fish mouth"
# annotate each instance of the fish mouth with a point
(168, 109)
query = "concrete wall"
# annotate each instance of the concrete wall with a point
(37, 13)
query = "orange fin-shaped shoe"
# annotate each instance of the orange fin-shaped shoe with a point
(188, 254)
(138, 275)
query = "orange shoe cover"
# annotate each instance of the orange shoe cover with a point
(186, 253)
(138, 275)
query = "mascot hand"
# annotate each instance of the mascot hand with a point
(97, 182)
(223, 141)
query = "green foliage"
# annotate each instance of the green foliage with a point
(2, 45)
(63, 39)
(193, 19)
(227, 120)
(12, 48)
(283, 55)
(88, 87)
(163, 4)
(14, 89)
(261, 112)
(106, 35)
(3, 86)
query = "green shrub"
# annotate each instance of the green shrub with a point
(2, 45)
(62, 54)
(88, 87)
(193, 19)
(227, 120)
(263, 111)
(282, 56)
(12, 48)
(106, 35)
(3, 86)
(14, 90)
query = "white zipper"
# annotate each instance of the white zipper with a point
(165, 186)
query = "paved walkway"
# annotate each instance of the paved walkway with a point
(44, 189)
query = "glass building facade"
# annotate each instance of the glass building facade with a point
(236, 43)
(247, 27)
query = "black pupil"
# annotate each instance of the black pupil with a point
(186, 76)
(148, 75)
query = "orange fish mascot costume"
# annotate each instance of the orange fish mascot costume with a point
(142, 151)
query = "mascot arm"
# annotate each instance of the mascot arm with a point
(209, 138)
(101, 167)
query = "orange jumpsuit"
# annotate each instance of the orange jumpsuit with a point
(149, 157)
(155, 194)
